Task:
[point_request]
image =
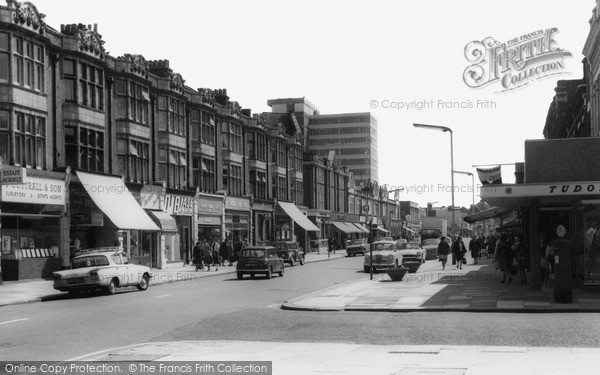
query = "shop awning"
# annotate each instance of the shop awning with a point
(408, 230)
(352, 228)
(167, 222)
(361, 228)
(490, 213)
(382, 229)
(295, 214)
(342, 226)
(114, 199)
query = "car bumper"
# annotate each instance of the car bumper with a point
(380, 266)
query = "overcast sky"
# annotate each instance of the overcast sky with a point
(350, 56)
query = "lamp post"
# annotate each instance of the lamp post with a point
(472, 185)
(445, 129)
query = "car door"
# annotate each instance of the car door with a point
(273, 263)
(128, 271)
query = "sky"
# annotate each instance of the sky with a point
(359, 56)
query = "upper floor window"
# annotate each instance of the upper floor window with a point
(134, 160)
(84, 148)
(4, 57)
(258, 146)
(172, 167)
(231, 135)
(208, 128)
(176, 111)
(83, 84)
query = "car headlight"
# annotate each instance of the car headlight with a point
(57, 277)
(94, 274)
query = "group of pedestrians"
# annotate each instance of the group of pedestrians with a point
(208, 252)
(511, 256)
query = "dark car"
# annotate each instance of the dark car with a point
(357, 246)
(261, 260)
(290, 252)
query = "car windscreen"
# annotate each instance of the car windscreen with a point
(90, 261)
(253, 253)
(282, 246)
(383, 246)
(357, 242)
(431, 242)
(411, 246)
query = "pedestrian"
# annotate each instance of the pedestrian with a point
(334, 244)
(459, 250)
(214, 249)
(474, 247)
(206, 254)
(443, 251)
(245, 243)
(197, 256)
(330, 244)
(237, 249)
(521, 252)
(230, 253)
(503, 256)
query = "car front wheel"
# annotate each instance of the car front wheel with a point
(302, 260)
(111, 288)
(240, 275)
(144, 283)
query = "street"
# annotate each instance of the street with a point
(224, 308)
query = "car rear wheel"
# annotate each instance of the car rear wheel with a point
(302, 260)
(144, 282)
(269, 273)
(111, 288)
(240, 275)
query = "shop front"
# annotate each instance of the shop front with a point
(322, 220)
(237, 219)
(31, 231)
(343, 228)
(556, 211)
(286, 215)
(262, 213)
(210, 211)
(180, 205)
(104, 213)
(152, 199)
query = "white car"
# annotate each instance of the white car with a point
(103, 268)
(385, 255)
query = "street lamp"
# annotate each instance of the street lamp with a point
(473, 187)
(445, 129)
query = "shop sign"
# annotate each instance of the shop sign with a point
(209, 220)
(237, 204)
(208, 206)
(179, 205)
(36, 191)
(11, 175)
(535, 190)
(262, 207)
(151, 197)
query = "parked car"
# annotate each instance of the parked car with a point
(401, 242)
(102, 268)
(357, 246)
(290, 252)
(384, 239)
(385, 255)
(259, 260)
(413, 255)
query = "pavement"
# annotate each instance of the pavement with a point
(345, 358)
(37, 290)
(474, 288)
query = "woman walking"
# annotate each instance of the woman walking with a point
(443, 250)
(459, 250)
(503, 255)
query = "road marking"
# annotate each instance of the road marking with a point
(276, 306)
(164, 295)
(14, 321)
